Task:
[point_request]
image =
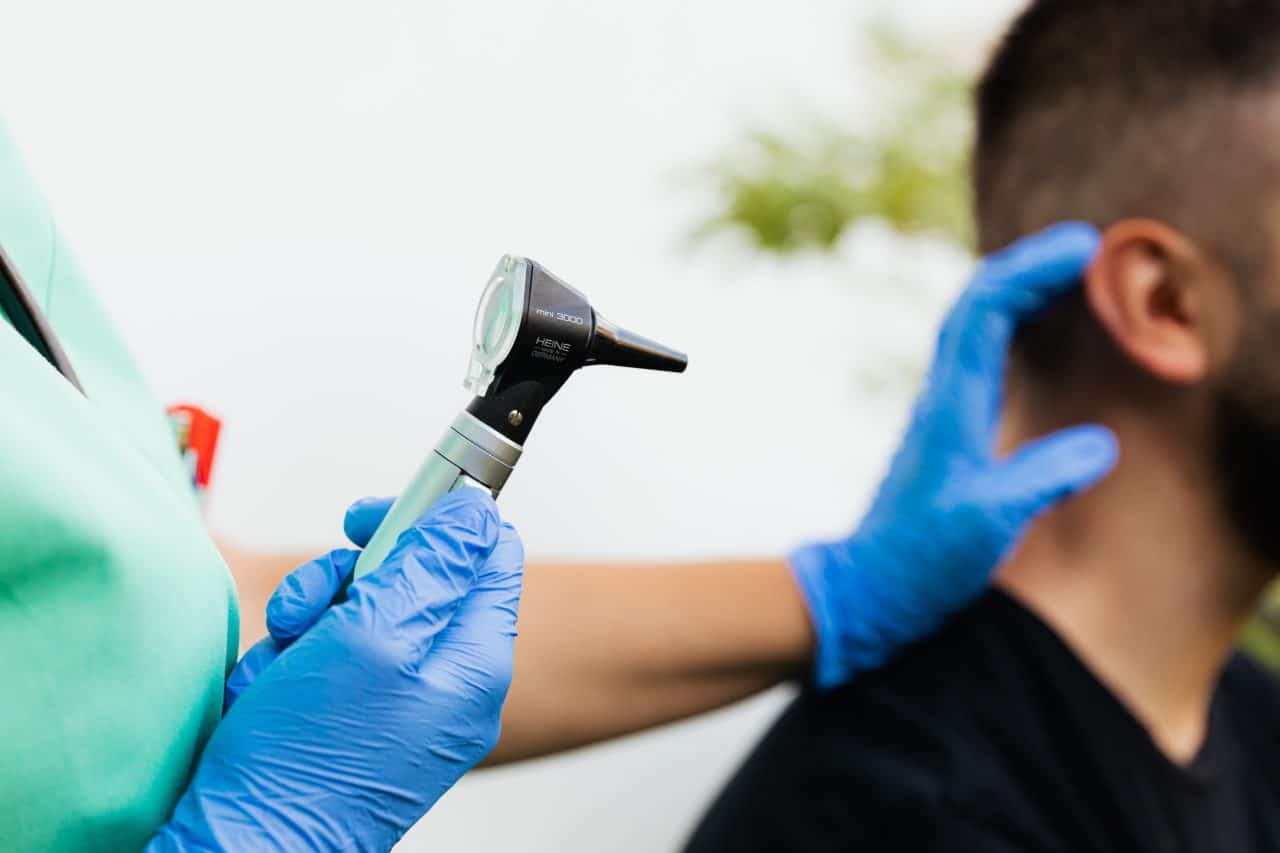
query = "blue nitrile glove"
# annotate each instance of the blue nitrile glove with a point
(350, 734)
(950, 510)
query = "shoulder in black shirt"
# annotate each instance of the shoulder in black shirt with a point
(993, 736)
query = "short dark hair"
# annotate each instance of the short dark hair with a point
(1106, 109)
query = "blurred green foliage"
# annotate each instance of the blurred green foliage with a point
(801, 191)
(794, 191)
(1261, 637)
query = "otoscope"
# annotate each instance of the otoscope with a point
(532, 332)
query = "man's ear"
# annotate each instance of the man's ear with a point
(1156, 295)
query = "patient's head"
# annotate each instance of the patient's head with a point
(1158, 121)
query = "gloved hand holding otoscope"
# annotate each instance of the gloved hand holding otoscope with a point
(404, 681)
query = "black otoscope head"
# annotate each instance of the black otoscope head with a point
(533, 331)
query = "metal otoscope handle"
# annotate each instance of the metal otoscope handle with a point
(469, 454)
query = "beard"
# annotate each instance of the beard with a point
(1247, 452)
(1246, 439)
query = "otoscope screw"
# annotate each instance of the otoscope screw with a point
(515, 418)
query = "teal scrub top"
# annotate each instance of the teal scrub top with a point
(118, 618)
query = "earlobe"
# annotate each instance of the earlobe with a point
(1146, 288)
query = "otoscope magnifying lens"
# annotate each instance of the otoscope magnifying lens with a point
(498, 321)
(495, 318)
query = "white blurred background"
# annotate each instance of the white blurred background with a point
(291, 207)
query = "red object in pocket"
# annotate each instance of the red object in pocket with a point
(197, 433)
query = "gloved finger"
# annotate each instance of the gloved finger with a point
(478, 643)
(974, 343)
(363, 518)
(258, 658)
(1048, 470)
(1033, 272)
(433, 566)
(1024, 278)
(304, 595)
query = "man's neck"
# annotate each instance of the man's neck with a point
(1142, 578)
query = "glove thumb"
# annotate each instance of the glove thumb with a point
(1047, 471)
(479, 638)
(432, 568)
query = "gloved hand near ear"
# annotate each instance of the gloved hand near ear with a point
(350, 721)
(949, 510)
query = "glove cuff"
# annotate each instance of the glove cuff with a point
(808, 566)
(838, 581)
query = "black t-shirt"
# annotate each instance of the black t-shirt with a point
(993, 737)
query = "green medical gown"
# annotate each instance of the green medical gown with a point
(117, 616)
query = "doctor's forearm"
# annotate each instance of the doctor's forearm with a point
(607, 651)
